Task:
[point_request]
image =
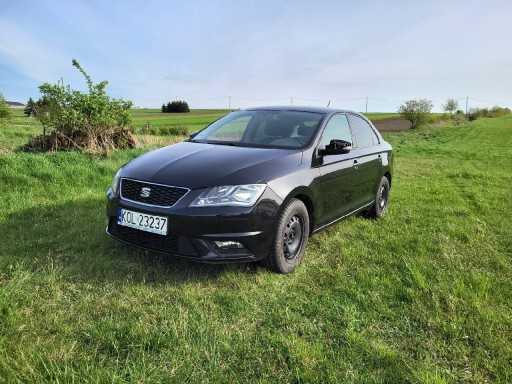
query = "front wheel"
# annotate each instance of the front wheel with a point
(290, 238)
(380, 206)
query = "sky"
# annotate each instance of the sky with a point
(351, 54)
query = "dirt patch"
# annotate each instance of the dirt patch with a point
(394, 124)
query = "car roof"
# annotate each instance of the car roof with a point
(299, 108)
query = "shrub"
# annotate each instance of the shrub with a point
(5, 110)
(180, 130)
(147, 129)
(459, 119)
(416, 111)
(498, 111)
(476, 113)
(82, 121)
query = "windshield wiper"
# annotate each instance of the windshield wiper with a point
(230, 143)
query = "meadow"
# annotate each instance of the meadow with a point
(423, 295)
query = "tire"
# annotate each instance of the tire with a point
(380, 206)
(290, 238)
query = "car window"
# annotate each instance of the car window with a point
(262, 128)
(336, 129)
(364, 134)
(232, 131)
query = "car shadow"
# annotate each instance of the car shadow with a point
(70, 239)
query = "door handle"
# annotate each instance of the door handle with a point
(356, 164)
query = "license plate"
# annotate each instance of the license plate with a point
(142, 221)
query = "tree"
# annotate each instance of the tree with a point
(5, 110)
(451, 106)
(416, 111)
(29, 109)
(178, 106)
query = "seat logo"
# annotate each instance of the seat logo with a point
(145, 192)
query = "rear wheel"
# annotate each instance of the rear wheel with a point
(290, 238)
(380, 206)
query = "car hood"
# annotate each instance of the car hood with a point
(199, 165)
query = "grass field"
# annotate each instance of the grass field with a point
(423, 295)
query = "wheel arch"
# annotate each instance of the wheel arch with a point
(308, 202)
(388, 176)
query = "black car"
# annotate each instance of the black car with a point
(253, 185)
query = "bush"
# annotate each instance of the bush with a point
(459, 119)
(148, 129)
(416, 111)
(81, 121)
(176, 107)
(5, 110)
(477, 113)
(498, 111)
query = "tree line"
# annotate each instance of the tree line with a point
(178, 106)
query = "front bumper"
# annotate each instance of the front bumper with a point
(195, 233)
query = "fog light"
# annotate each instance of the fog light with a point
(228, 244)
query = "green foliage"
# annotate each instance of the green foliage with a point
(5, 110)
(93, 118)
(476, 113)
(178, 106)
(416, 111)
(450, 106)
(149, 129)
(29, 109)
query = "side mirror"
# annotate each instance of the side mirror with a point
(193, 134)
(336, 147)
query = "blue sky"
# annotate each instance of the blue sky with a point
(263, 52)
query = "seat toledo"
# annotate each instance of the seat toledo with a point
(253, 185)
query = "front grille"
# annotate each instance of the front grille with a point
(159, 195)
(171, 244)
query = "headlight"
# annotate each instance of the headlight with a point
(229, 195)
(116, 181)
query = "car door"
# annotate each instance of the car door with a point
(338, 178)
(369, 160)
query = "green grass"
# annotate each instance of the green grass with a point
(423, 295)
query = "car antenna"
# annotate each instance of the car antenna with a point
(329, 103)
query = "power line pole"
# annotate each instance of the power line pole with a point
(366, 104)
(229, 107)
(291, 100)
(467, 99)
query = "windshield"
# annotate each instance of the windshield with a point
(271, 129)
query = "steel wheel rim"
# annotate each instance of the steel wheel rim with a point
(383, 197)
(293, 237)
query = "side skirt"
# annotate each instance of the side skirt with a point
(343, 217)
